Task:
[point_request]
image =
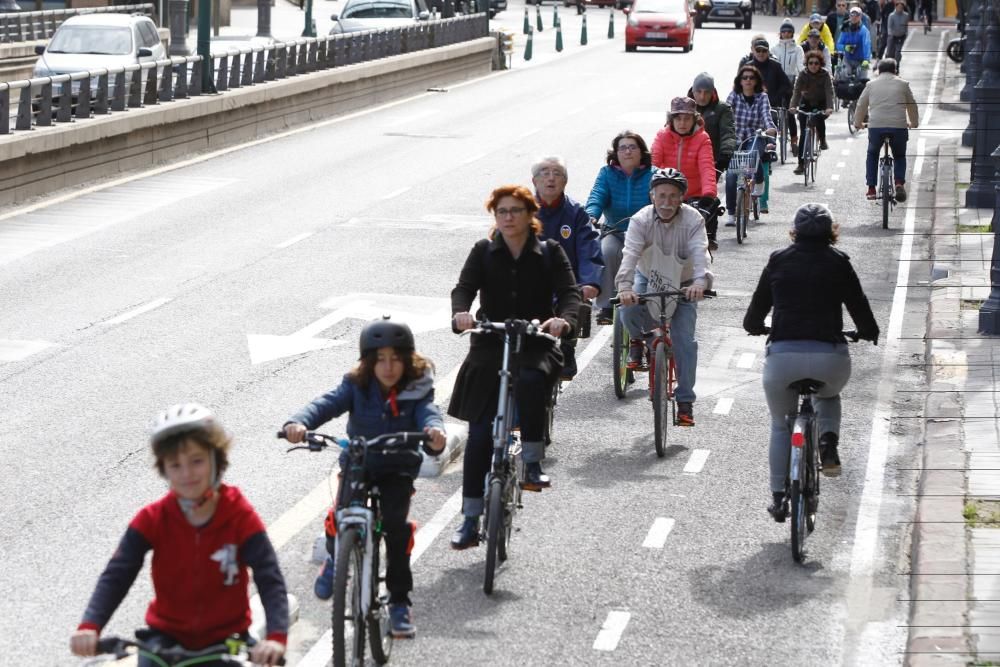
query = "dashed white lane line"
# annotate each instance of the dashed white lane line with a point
(475, 158)
(746, 360)
(135, 312)
(828, 192)
(657, 535)
(850, 139)
(295, 239)
(611, 631)
(697, 461)
(841, 165)
(723, 406)
(834, 177)
(525, 135)
(845, 151)
(396, 193)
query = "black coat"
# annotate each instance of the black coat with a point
(776, 82)
(806, 283)
(521, 288)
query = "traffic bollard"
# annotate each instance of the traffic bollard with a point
(527, 23)
(527, 45)
(611, 25)
(555, 16)
(583, 32)
(538, 17)
(559, 44)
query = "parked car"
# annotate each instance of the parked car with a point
(95, 41)
(737, 12)
(358, 15)
(659, 23)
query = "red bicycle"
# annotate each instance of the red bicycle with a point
(662, 368)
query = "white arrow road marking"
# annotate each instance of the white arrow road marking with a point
(611, 631)
(697, 461)
(723, 406)
(15, 350)
(658, 532)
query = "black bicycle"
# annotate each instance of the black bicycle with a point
(360, 597)
(234, 650)
(503, 487)
(810, 146)
(886, 191)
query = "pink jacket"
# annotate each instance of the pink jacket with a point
(692, 155)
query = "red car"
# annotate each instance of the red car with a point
(659, 23)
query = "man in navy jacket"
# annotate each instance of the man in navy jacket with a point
(566, 221)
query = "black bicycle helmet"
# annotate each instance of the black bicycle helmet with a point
(668, 175)
(813, 221)
(385, 333)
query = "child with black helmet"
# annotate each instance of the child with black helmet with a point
(204, 535)
(390, 389)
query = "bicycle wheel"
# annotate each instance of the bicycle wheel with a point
(814, 161)
(550, 412)
(850, 117)
(511, 499)
(379, 625)
(887, 193)
(741, 215)
(784, 135)
(755, 207)
(812, 486)
(807, 148)
(795, 7)
(748, 199)
(494, 531)
(798, 522)
(348, 648)
(661, 401)
(622, 374)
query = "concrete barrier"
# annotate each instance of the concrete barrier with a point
(65, 155)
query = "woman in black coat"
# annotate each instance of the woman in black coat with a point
(516, 275)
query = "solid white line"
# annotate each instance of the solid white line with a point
(295, 239)
(724, 405)
(135, 312)
(657, 535)
(426, 533)
(697, 461)
(475, 158)
(828, 192)
(396, 193)
(597, 342)
(611, 631)
(866, 532)
(746, 360)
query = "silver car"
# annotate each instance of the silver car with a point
(96, 41)
(358, 15)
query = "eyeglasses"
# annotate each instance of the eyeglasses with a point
(513, 210)
(546, 173)
(627, 148)
(814, 62)
(748, 77)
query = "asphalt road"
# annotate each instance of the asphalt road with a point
(140, 294)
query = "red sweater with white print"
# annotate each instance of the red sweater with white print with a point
(199, 573)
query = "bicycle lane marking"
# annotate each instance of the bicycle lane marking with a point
(611, 631)
(322, 651)
(658, 532)
(723, 405)
(697, 461)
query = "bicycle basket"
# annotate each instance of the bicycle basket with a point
(744, 162)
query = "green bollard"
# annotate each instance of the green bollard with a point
(559, 44)
(527, 23)
(611, 25)
(538, 17)
(583, 31)
(555, 16)
(527, 46)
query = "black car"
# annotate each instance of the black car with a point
(737, 12)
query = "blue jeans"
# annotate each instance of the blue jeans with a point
(898, 137)
(638, 320)
(759, 177)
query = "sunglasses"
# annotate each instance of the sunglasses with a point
(748, 77)
(814, 62)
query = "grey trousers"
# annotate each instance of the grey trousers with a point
(786, 362)
(611, 249)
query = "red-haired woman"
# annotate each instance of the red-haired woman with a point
(516, 275)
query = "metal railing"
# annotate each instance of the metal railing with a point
(61, 98)
(30, 26)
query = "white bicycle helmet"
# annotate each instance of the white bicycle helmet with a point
(178, 419)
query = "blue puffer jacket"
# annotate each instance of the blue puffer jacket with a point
(568, 223)
(855, 43)
(370, 413)
(618, 196)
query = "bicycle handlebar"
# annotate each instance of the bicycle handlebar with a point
(118, 647)
(646, 296)
(532, 328)
(316, 441)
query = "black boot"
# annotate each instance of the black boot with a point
(467, 534)
(534, 478)
(828, 457)
(778, 508)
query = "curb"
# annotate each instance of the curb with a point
(939, 553)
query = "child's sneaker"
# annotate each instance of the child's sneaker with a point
(323, 586)
(402, 624)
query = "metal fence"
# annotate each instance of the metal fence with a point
(30, 26)
(61, 98)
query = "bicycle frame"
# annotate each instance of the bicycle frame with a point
(503, 442)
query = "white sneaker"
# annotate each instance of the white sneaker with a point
(730, 220)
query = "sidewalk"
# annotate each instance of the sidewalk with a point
(955, 570)
(287, 19)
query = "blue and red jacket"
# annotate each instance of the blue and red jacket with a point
(199, 573)
(567, 222)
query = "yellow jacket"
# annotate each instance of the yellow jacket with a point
(824, 34)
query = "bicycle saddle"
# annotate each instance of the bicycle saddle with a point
(806, 386)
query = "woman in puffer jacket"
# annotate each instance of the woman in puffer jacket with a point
(684, 145)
